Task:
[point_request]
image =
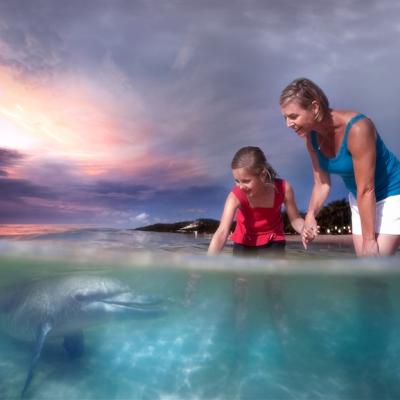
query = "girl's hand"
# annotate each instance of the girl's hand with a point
(370, 248)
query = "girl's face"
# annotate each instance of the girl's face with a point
(249, 183)
(299, 119)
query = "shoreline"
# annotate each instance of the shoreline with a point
(322, 239)
(344, 240)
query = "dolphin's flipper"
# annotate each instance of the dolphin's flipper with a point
(74, 344)
(41, 337)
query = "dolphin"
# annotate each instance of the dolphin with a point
(63, 306)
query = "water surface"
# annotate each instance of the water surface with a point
(317, 325)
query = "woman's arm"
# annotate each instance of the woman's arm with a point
(292, 211)
(221, 234)
(322, 184)
(362, 146)
(320, 191)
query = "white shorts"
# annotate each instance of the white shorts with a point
(387, 219)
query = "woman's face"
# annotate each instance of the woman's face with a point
(300, 119)
(249, 183)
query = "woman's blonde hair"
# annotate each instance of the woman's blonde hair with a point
(253, 159)
(305, 91)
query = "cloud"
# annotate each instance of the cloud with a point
(17, 189)
(9, 158)
(138, 107)
(142, 218)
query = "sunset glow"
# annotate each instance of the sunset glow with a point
(124, 113)
(73, 126)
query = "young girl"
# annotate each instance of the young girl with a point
(256, 201)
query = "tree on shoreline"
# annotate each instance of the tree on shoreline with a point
(335, 214)
(334, 218)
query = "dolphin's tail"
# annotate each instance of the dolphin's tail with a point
(41, 337)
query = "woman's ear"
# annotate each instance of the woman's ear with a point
(316, 109)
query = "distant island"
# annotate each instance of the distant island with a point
(204, 225)
(334, 219)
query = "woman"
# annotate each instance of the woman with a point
(346, 143)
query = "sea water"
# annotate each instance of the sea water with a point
(312, 325)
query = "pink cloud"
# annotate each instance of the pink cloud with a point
(75, 123)
(68, 123)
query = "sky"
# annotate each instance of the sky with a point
(124, 113)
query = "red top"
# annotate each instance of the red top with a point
(256, 226)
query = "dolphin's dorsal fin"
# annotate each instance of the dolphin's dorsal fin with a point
(42, 333)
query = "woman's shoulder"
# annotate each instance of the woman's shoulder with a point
(353, 123)
(346, 117)
(343, 113)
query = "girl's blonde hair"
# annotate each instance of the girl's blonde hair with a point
(253, 159)
(305, 91)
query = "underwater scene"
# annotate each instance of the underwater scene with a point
(90, 313)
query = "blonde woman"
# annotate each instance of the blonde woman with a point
(345, 142)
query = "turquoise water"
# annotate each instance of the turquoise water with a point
(321, 325)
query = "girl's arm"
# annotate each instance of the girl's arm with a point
(362, 146)
(221, 234)
(292, 211)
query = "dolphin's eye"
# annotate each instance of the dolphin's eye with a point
(88, 296)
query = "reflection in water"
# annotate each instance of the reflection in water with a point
(240, 329)
(275, 304)
(376, 325)
(240, 290)
(191, 288)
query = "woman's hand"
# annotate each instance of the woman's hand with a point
(310, 230)
(370, 248)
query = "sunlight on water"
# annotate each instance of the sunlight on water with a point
(295, 328)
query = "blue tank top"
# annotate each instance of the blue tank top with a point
(387, 169)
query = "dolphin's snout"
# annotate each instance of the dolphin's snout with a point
(124, 301)
(131, 299)
(122, 297)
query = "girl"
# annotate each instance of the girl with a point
(256, 201)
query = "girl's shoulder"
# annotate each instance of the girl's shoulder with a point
(280, 188)
(239, 194)
(280, 183)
